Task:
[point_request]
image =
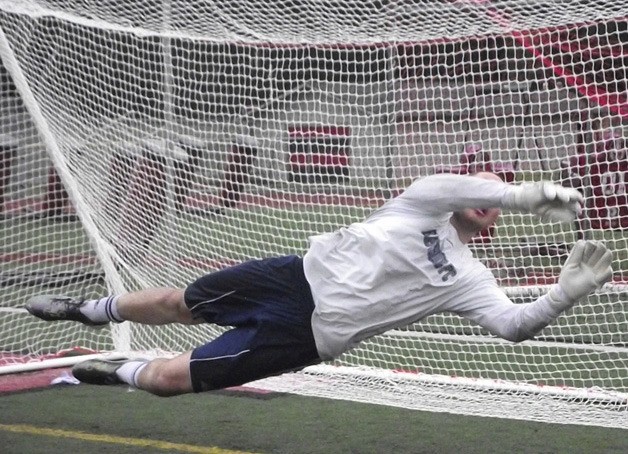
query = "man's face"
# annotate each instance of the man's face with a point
(476, 220)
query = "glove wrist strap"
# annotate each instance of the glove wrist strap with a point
(559, 299)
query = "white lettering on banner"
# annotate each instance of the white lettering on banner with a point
(613, 183)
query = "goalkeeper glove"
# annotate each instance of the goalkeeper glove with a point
(588, 267)
(549, 201)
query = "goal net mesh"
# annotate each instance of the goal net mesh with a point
(147, 143)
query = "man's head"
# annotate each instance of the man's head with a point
(471, 221)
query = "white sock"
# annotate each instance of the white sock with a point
(130, 370)
(102, 310)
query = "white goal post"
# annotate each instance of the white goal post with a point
(146, 143)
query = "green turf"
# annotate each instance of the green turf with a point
(284, 424)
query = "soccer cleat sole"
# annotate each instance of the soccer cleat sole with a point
(98, 372)
(59, 308)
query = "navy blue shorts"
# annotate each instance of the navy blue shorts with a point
(268, 304)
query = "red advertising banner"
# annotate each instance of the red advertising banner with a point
(319, 153)
(607, 206)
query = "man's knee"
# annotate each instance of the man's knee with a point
(175, 299)
(166, 377)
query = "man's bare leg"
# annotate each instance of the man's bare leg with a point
(162, 376)
(156, 306)
(166, 377)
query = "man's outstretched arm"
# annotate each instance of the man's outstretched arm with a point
(587, 268)
(449, 192)
(549, 201)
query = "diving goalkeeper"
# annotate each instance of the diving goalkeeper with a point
(407, 260)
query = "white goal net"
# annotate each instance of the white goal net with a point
(146, 143)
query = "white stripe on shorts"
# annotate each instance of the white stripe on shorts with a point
(212, 300)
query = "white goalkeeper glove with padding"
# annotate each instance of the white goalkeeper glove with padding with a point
(587, 268)
(549, 201)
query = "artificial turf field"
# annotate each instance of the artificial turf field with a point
(94, 419)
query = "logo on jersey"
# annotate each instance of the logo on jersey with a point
(436, 256)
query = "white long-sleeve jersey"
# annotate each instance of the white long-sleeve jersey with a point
(405, 262)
